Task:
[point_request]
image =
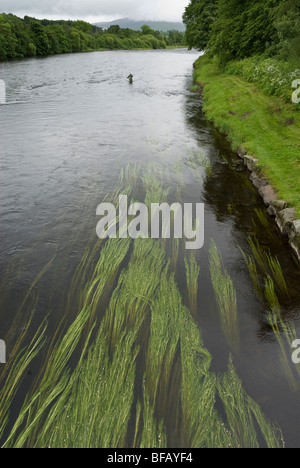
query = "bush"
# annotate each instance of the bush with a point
(273, 76)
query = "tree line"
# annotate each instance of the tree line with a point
(30, 37)
(236, 29)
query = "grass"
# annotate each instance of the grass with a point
(153, 434)
(95, 408)
(93, 404)
(203, 425)
(270, 286)
(267, 127)
(104, 391)
(250, 262)
(277, 274)
(285, 334)
(161, 375)
(132, 370)
(270, 295)
(18, 365)
(262, 262)
(192, 277)
(226, 298)
(263, 219)
(197, 158)
(243, 414)
(262, 223)
(175, 254)
(273, 76)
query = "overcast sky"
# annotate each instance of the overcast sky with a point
(97, 10)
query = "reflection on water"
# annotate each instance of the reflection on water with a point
(77, 126)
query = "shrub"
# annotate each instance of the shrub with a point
(273, 76)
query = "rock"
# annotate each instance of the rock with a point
(251, 163)
(238, 165)
(276, 206)
(296, 227)
(241, 152)
(268, 194)
(257, 181)
(238, 162)
(285, 216)
(295, 244)
(284, 220)
(295, 237)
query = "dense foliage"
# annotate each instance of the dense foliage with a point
(235, 29)
(30, 37)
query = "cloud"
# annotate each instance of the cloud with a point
(169, 10)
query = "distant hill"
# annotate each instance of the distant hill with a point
(163, 26)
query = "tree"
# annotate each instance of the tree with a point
(8, 41)
(79, 40)
(20, 34)
(62, 34)
(199, 17)
(175, 38)
(83, 26)
(242, 29)
(54, 45)
(126, 32)
(40, 38)
(286, 43)
(146, 30)
(114, 29)
(29, 37)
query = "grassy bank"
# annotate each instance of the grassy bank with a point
(266, 126)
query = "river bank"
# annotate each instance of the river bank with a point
(265, 132)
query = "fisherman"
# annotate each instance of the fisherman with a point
(130, 78)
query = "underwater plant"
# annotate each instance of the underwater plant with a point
(226, 298)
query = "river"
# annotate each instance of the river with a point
(70, 125)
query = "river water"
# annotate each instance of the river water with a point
(71, 124)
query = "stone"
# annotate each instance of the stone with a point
(295, 244)
(238, 162)
(284, 220)
(285, 216)
(241, 152)
(257, 181)
(295, 237)
(238, 165)
(276, 206)
(268, 194)
(296, 227)
(251, 163)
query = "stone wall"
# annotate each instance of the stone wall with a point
(284, 214)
